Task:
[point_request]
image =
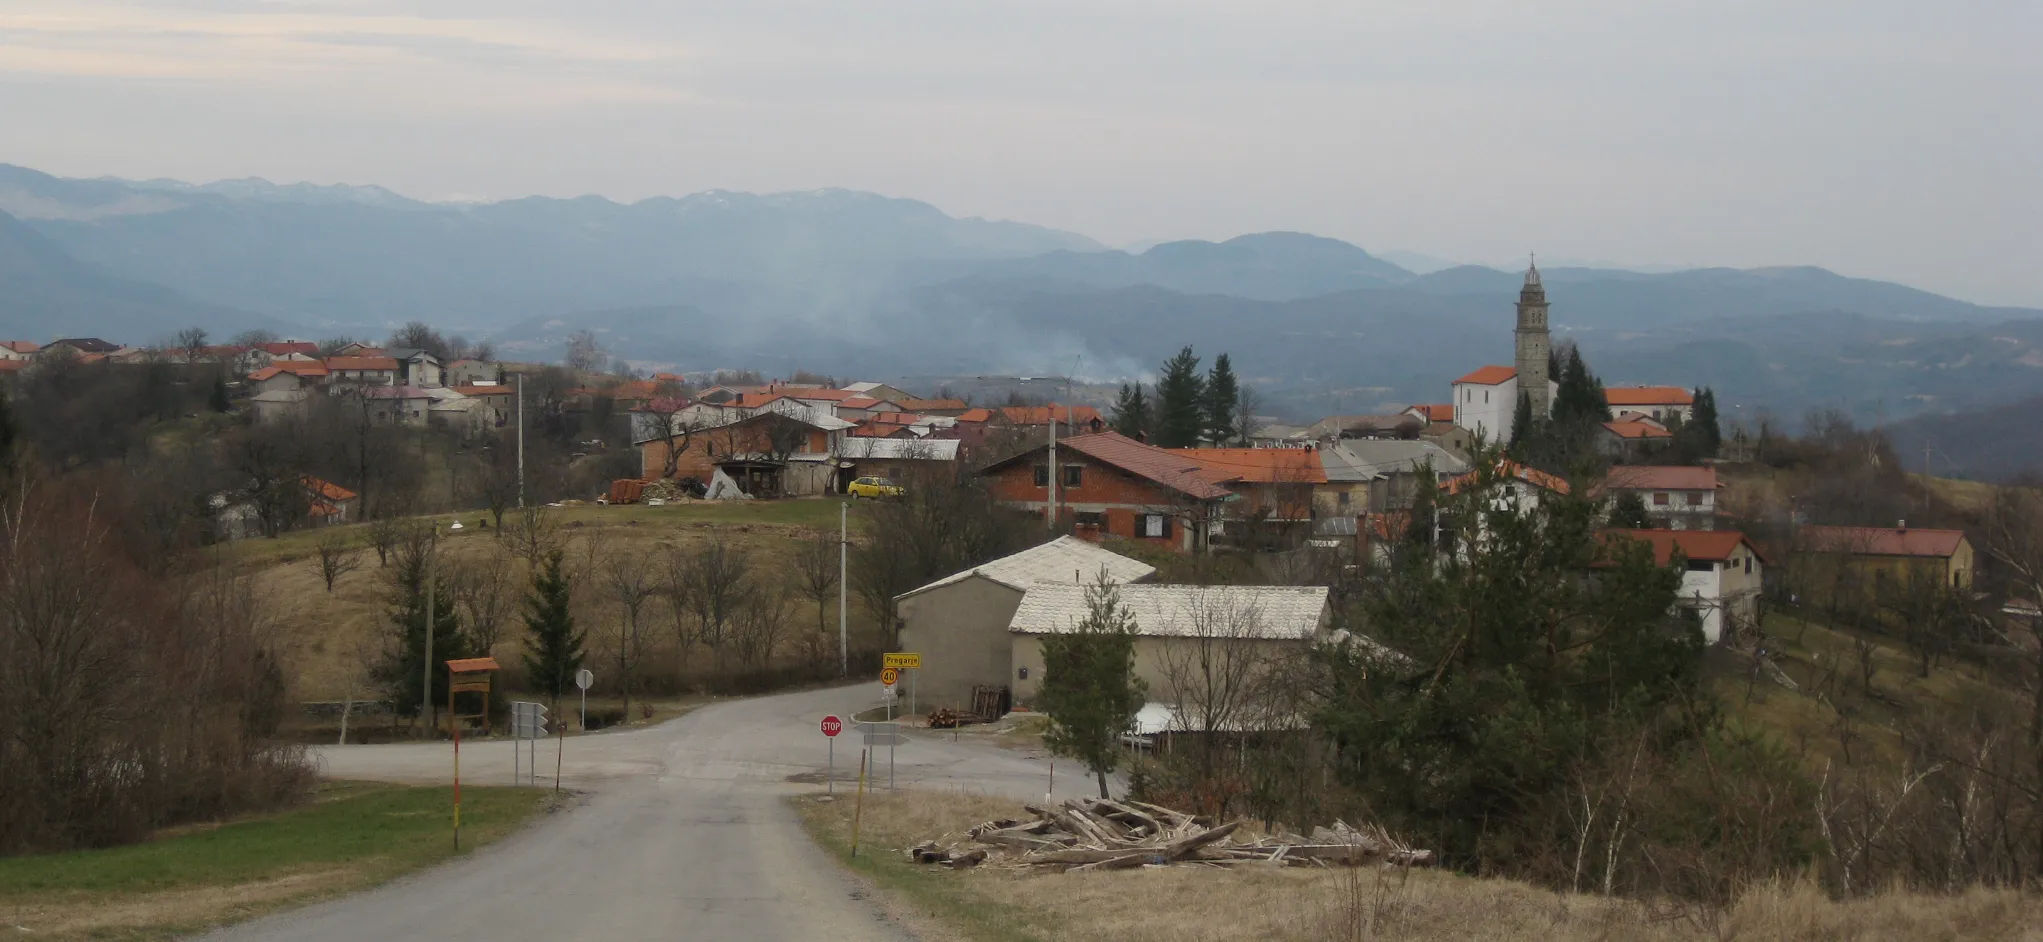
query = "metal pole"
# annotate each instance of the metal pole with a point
(858, 810)
(892, 741)
(1050, 497)
(911, 691)
(517, 714)
(584, 724)
(521, 439)
(830, 776)
(457, 764)
(426, 685)
(843, 590)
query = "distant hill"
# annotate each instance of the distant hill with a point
(364, 256)
(46, 294)
(1269, 266)
(1997, 443)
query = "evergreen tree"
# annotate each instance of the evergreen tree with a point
(1131, 411)
(1521, 426)
(1709, 435)
(218, 401)
(1223, 400)
(1628, 512)
(9, 433)
(554, 651)
(1579, 398)
(400, 674)
(1180, 402)
(1090, 690)
(1515, 664)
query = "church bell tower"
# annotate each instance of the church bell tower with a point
(1535, 346)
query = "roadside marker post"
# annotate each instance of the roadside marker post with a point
(831, 726)
(469, 674)
(528, 721)
(858, 809)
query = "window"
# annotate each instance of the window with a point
(1087, 518)
(1073, 475)
(1699, 565)
(1695, 499)
(1156, 526)
(1042, 475)
(1486, 401)
(1748, 565)
(1659, 500)
(1341, 498)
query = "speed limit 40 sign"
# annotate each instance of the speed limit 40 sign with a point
(890, 676)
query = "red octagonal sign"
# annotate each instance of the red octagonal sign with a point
(832, 726)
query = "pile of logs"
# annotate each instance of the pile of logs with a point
(943, 718)
(1097, 834)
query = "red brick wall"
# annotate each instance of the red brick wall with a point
(1123, 495)
(699, 457)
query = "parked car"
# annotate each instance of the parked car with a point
(874, 488)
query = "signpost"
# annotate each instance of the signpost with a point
(883, 734)
(528, 721)
(584, 678)
(831, 727)
(903, 661)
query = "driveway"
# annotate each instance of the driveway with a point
(686, 835)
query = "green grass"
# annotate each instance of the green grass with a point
(353, 835)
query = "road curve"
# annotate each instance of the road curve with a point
(686, 835)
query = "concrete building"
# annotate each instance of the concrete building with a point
(1190, 641)
(1723, 579)
(959, 624)
(1485, 402)
(1662, 404)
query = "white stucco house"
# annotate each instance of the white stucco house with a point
(1722, 581)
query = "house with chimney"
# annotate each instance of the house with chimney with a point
(1111, 487)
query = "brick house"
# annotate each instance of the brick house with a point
(1272, 483)
(783, 451)
(1110, 486)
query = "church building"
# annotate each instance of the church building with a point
(1486, 400)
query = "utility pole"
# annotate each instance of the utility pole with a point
(1050, 503)
(426, 687)
(521, 439)
(843, 591)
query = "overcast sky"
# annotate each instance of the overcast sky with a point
(1898, 140)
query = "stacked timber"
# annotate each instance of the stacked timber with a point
(1098, 834)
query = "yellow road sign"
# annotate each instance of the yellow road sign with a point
(910, 661)
(889, 676)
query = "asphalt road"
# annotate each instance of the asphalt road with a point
(686, 835)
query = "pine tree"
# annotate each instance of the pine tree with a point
(218, 402)
(554, 651)
(1180, 402)
(400, 674)
(1131, 411)
(1223, 400)
(1521, 426)
(1709, 435)
(1090, 690)
(1628, 512)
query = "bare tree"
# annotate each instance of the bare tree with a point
(815, 562)
(669, 421)
(584, 355)
(191, 342)
(486, 590)
(761, 625)
(338, 556)
(385, 532)
(533, 532)
(718, 576)
(674, 584)
(632, 583)
(1214, 665)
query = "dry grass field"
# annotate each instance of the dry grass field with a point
(327, 640)
(1186, 904)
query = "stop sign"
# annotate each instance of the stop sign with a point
(832, 726)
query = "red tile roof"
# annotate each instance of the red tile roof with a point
(13, 366)
(1637, 430)
(327, 490)
(289, 347)
(497, 389)
(975, 415)
(1041, 415)
(1257, 465)
(818, 393)
(1648, 396)
(1437, 411)
(1658, 478)
(21, 346)
(753, 400)
(1705, 545)
(1532, 476)
(637, 389)
(1488, 376)
(1159, 465)
(857, 402)
(879, 430)
(361, 363)
(931, 405)
(1884, 541)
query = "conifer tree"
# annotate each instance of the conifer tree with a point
(1131, 411)
(1521, 426)
(1180, 402)
(1628, 512)
(1090, 690)
(1223, 399)
(218, 401)
(1709, 435)
(554, 651)
(402, 673)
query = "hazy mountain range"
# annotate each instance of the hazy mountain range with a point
(858, 283)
